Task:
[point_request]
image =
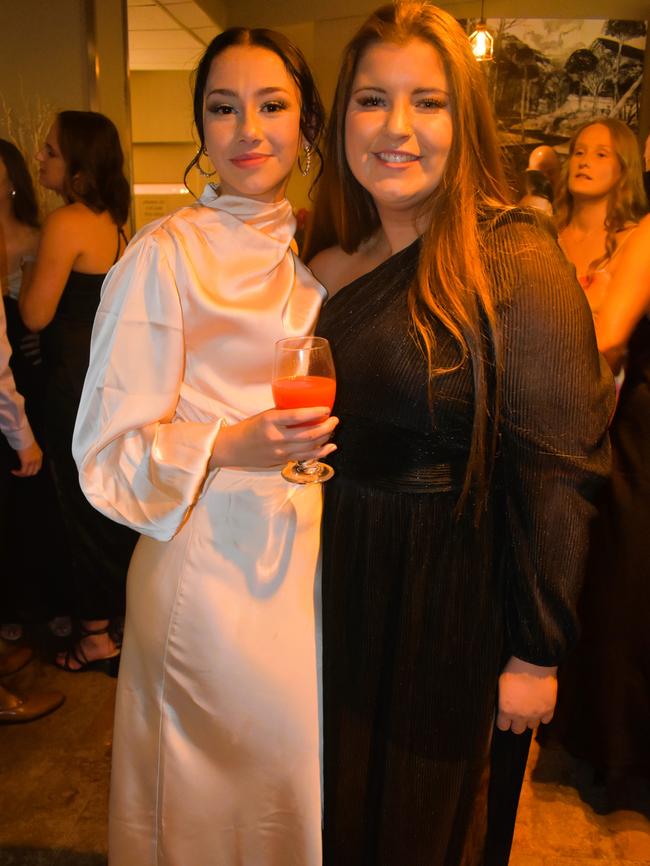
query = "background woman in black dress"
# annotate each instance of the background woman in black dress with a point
(473, 410)
(82, 161)
(604, 696)
(32, 573)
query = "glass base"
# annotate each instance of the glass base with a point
(309, 472)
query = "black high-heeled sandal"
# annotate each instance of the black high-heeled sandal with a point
(109, 665)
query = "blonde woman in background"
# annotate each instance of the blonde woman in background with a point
(599, 202)
(603, 713)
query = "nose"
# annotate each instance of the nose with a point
(249, 128)
(398, 121)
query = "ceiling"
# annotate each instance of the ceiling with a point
(171, 34)
(168, 34)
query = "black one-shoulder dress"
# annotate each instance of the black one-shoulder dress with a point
(421, 607)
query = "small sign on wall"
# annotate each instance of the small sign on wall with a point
(155, 200)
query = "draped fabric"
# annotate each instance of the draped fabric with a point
(196, 295)
(420, 607)
(216, 749)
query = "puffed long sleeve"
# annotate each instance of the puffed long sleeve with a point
(557, 400)
(139, 463)
(13, 421)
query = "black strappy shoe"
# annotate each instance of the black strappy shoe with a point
(109, 665)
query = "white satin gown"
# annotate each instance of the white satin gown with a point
(216, 747)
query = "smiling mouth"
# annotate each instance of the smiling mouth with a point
(582, 175)
(396, 156)
(249, 159)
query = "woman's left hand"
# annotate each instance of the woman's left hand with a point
(31, 460)
(527, 695)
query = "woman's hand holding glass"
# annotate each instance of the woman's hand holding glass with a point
(303, 375)
(275, 436)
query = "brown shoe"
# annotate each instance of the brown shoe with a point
(14, 660)
(14, 709)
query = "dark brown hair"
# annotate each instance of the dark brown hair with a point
(94, 163)
(452, 285)
(312, 113)
(23, 203)
(627, 199)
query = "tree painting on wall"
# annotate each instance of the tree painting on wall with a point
(550, 75)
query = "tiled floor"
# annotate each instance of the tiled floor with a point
(54, 781)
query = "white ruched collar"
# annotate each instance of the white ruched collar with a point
(275, 219)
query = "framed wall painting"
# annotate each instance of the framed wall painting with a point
(550, 75)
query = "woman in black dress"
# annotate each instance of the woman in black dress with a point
(604, 696)
(82, 161)
(33, 573)
(473, 410)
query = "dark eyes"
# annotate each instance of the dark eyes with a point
(275, 106)
(428, 103)
(221, 109)
(432, 103)
(370, 101)
(271, 107)
(601, 153)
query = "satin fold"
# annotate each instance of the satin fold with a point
(197, 294)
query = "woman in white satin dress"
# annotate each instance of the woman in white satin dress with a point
(216, 749)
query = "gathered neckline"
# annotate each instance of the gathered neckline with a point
(241, 206)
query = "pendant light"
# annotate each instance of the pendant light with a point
(481, 40)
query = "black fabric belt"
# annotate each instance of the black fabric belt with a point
(392, 459)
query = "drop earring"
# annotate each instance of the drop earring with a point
(13, 193)
(202, 152)
(306, 168)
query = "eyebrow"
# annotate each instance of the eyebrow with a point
(417, 92)
(263, 91)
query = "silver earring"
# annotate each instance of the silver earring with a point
(202, 152)
(306, 168)
(13, 193)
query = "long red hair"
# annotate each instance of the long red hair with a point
(452, 285)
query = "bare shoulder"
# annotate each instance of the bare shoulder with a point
(634, 240)
(630, 271)
(65, 218)
(329, 267)
(642, 230)
(335, 268)
(59, 232)
(60, 216)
